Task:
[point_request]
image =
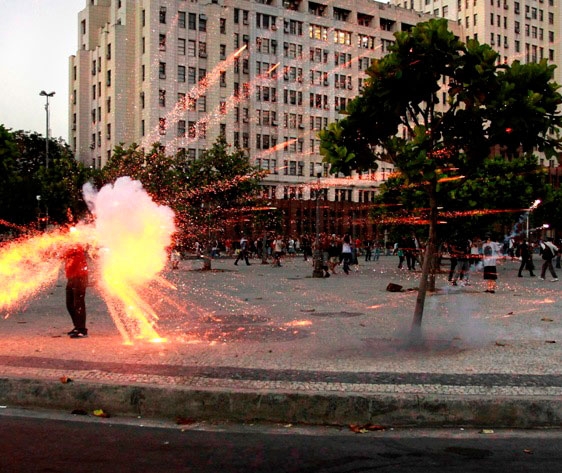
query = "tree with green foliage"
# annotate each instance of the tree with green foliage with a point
(221, 186)
(497, 194)
(435, 107)
(28, 189)
(160, 174)
(205, 193)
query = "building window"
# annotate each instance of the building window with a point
(192, 21)
(202, 104)
(191, 48)
(162, 15)
(162, 70)
(222, 26)
(108, 52)
(181, 128)
(202, 49)
(191, 131)
(181, 73)
(162, 125)
(181, 46)
(109, 131)
(191, 76)
(202, 23)
(181, 19)
(108, 79)
(162, 98)
(162, 42)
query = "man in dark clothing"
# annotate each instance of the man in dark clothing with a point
(548, 250)
(76, 270)
(524, 252)
(243, 251)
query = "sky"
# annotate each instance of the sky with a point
(36, 39)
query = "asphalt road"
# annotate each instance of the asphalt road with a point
(38, 441)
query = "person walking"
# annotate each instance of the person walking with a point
(548, 251)
(461, 273)
(76, 271)
(243, 254)
(524, 252)
(346, 253)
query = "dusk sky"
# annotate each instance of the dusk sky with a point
(36, 39)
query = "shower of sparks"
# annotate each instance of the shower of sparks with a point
(127, 242)
(29, 265)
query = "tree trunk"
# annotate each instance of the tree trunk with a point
(428, 267)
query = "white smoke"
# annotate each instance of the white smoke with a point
(131, 229)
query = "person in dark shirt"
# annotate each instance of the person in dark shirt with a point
(76, 271)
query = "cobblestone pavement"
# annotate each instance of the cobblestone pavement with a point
(270, 330)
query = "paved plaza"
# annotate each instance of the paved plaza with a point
(264, 343)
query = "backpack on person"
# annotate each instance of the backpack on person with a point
(549, 251)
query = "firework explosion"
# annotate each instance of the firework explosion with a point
(127, 240)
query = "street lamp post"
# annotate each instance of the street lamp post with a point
(47, 95)
(318, 263)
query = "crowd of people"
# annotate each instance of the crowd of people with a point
(469, 255)
(464, 256)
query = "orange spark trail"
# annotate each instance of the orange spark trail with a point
(30, 265)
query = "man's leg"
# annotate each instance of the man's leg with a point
(70, 302)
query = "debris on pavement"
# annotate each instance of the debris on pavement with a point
(100, 413)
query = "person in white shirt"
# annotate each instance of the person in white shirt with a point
(346, 253)
(490, 254)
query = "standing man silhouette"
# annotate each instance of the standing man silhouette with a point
(76, 270)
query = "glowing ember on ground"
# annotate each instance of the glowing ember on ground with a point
(299, 323)
(128, 238)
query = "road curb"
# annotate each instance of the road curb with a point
(171, 402)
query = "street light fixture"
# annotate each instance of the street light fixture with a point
(47, 95)
(318, 263)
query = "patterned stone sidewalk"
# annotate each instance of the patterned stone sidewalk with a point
(328, 350)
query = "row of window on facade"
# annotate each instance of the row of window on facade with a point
(498, 20)
(498, 3)
(193, 48)
(97, 89)
(316, 55)
(340, 194)
(195, 22)
(99, 137)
